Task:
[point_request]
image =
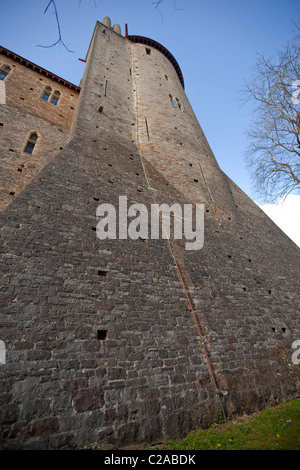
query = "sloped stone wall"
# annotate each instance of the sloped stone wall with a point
(102, 347)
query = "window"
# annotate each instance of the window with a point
(50, 97)
(4, 71)
(101, 335)
(173, 101)
(180, 106)
(46, 94)
(55, 98)
(31, 143)
(148, 51)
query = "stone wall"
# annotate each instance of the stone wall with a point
(102, 336)
(24, 88)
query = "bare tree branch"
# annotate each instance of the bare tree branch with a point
(179, 9)
(159, 2)
(273, 154)
(59, 40)
(157, 8)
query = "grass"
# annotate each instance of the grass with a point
(277, 428)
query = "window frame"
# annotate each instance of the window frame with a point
(4, 71)
(53, 96)
(47, 92)
(173, 101)
(31, 142)
(180, 105)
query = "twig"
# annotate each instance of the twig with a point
(159, 2)
(157, 8)
(60, 40)
(178, 9)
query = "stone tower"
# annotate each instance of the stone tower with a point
(119, 341)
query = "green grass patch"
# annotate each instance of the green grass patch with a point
(276, 428)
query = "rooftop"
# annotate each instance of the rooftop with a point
(38, 69)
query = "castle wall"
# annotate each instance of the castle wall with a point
(102, 336)
(24, 88)
(171, 137)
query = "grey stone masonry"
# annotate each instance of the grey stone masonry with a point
(111, 343)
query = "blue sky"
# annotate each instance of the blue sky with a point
(215, 42)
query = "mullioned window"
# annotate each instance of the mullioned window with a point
(51, 96)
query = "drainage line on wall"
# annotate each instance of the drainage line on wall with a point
(217, 391)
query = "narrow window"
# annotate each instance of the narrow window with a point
(147, 129)
(55, 98)
(180, 106)
(46, 94)
(102, 273)
(31, 143)
(148, 51)
(173, 101)
(101, 335)
(4, 71)
(166, 77)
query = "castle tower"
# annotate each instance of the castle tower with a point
(119, 341)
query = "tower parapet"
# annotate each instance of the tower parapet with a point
(117, 28)
(160, 48)
(107, 22)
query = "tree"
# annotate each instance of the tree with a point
(273, 154)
